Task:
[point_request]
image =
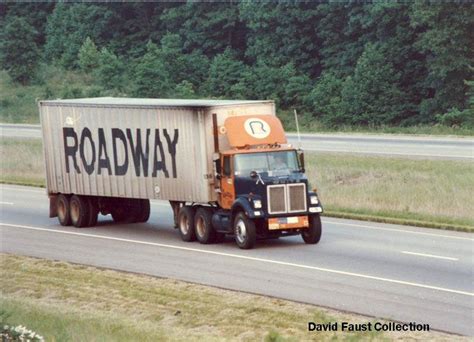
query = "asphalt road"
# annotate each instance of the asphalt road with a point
(397, 272)
(394, 145)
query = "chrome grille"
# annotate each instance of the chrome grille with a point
(286, 198)
(297, 197)
(276, 199)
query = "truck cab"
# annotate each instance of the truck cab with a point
(263, 190)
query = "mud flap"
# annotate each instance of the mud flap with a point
(53, 209)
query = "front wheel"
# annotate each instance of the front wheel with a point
(244, 231)
(312, 234)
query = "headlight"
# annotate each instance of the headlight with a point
(257, 204)
(314, 199)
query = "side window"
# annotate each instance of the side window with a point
(227, 170)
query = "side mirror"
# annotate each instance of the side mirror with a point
(301, 158)
(253, 174)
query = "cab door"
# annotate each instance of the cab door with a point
(227, 195)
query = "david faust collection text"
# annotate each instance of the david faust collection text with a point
(369, 326)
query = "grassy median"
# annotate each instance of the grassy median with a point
(434, 193)
(66, 302)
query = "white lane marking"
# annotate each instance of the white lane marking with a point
(6, 203)
(398, 230)
(237, 256)
(430, 256)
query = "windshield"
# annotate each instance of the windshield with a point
(275, 163)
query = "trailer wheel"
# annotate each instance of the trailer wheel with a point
(205, 233)
(64, 213)
(312, 234)
(144, 211)
(186, 223)
(245, 231)
(79, 208)
(93, 211)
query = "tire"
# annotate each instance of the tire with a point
(63, 210)
(244, 231)
(144, 212)
(205, 233)
(186, 224)
(93, 211)
(80, 211)
(121, 212)
(312, 234)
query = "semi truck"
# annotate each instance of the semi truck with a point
(225, 166)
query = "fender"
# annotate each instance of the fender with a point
(242, 203)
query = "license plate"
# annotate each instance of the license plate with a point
(291, 222)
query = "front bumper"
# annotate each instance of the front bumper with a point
(289, 222)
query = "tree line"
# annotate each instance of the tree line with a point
(359, 64)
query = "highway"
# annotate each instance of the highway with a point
(386, 271)
(370, 144)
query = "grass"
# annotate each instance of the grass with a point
(21, 161)
(18, 104)
(66, 302)
(432, 193)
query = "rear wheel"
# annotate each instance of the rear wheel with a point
(186, 223)
(312, 234)
(62, 207)
(245, 231)
(144, 211)
(79, 208)
(203, 225)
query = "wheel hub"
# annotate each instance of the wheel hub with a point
(74, 212)
(184, 224)
(200, 227)
(241, 231)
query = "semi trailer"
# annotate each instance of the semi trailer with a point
(225, 167)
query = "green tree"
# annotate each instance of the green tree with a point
(69, 25)
(150, 77)
(446, 39)
(371, 96)
(18, 50)
(225, 71)
(184, 90)
(282, 33)
(110, 72)
(324, 101)
(88, 56)
(192, 67)
(207, 27)
(297, 89)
